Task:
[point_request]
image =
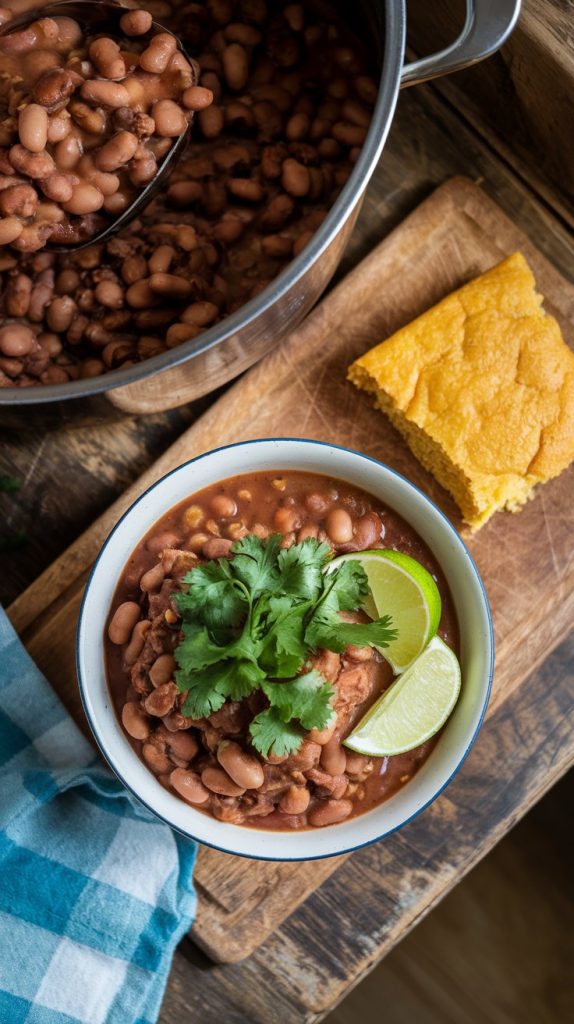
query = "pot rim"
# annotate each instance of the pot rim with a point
(389, 85)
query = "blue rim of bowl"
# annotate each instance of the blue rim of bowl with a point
(458, 539)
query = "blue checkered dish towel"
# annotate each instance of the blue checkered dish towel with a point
(94, 892)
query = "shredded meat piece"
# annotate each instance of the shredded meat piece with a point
(327, 785)
(160, 602)
(353, 686)
(306, 757)
(262, 806)
(226, 808)
(276, 776)
(232, 718)
(177, 563)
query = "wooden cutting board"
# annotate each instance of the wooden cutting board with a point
(300, 390)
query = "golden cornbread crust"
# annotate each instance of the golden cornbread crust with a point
(482, 388)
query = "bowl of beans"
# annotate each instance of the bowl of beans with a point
(281, 110)
(208, 752)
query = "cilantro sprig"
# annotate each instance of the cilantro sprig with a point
(250, 623)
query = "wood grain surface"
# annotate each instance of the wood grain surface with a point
(522, 99)
(525, 560)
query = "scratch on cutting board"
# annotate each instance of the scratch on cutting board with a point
(31, 468)
(409, 892)
(555, 566)
(311, 394)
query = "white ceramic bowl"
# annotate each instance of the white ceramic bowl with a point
(470, 601)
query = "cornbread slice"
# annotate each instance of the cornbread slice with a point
(482, 388)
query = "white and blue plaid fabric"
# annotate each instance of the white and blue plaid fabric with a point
(94, 892)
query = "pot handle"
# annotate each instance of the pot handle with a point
(488, 25)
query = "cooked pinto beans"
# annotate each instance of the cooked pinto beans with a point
(189, 786)
(243, 768)
(211, 762)
(106, 108)
(262, 170)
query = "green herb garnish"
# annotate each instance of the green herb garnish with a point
(250, 622)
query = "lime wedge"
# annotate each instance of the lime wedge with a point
(413, 708)
(401, 587)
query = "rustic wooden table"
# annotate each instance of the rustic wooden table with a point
(66, 478)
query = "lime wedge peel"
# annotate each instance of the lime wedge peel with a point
(414, 707)
(401, 587)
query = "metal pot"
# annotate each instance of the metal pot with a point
(231, 346)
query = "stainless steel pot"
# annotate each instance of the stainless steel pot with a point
(230, 347)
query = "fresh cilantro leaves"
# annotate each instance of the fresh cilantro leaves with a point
(250, 623)
(270, 734)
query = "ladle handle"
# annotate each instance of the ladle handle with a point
(487, 27)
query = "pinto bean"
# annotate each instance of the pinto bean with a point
(17, 297)
(53, 88)
(211, 121)
(140, 295)
(329, 812)
(60, 313)
(59, 187)
(295, 800)
(16, 340)
(109, 294)
(189, 786)
(34, 165)
(164, 539)
(217, 547)
(162, 669)
(367, 533)
(223, 505)
(170, 120)
(137, 641)
(157, 55)
(33, 127)
(243, 768)
(161, 700)
(235, 66)
(68, 152)
(171, 285)
(218, 781)
(134, 268)
(10, 229)
(105, 55)
(349, 134)
(136, 23)
(197, 98)
(333, 757)
(85, 198)
(117, 151)
(156, 759)
(135, 721)
(59, 126)
(339, 526)
(123, 621)
(182, 744)
(105, 94)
